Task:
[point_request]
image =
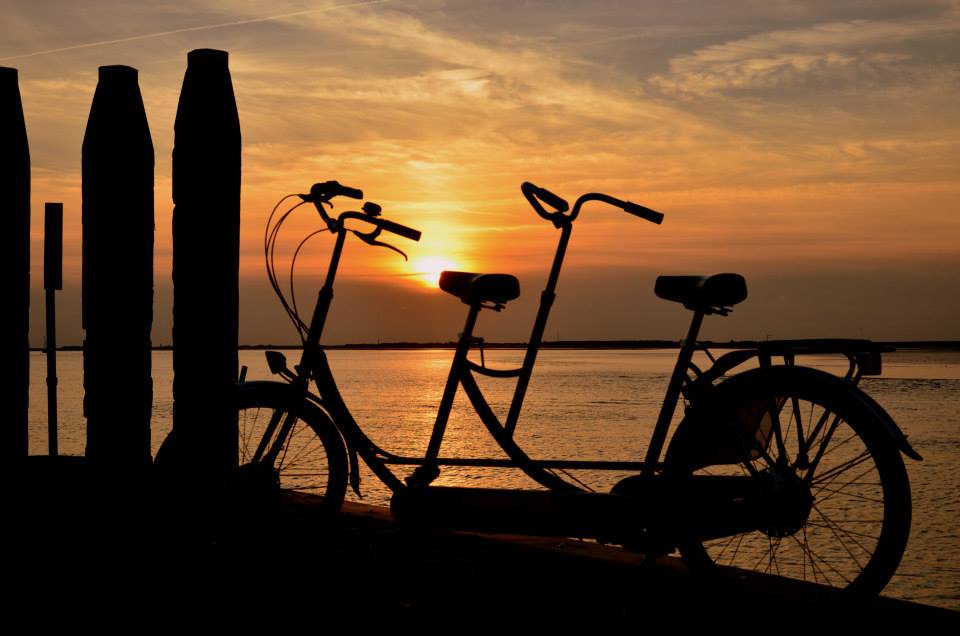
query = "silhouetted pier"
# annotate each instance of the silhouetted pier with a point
(218, 559)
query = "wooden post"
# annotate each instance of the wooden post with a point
(206, 252)
(15, 265)
(118, 230)
(52, 281)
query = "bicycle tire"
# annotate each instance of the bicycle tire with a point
(312, 464)
(856, 527)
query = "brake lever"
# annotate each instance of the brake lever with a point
(370, 239)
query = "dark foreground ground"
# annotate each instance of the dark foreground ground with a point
(80, 553)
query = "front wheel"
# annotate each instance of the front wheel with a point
(288, 446)
(829, 501)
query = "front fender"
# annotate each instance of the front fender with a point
(351, 449)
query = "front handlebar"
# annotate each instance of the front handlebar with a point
(535, 195)
(321, 193)
(329, 189)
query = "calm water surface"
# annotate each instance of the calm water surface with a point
(588, 405)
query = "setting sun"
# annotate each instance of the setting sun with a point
(428, 268)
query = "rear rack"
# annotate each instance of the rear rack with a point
(865, 357)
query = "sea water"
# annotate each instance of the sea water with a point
(584, 404)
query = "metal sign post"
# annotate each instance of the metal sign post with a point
(52, 281)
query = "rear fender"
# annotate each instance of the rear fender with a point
(695, 432)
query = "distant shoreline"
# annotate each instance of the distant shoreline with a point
(560, 344)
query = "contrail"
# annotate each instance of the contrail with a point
(206, 27)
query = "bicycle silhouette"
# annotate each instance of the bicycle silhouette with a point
(776, 468)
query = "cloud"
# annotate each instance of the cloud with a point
(785, 58)
(191, 29)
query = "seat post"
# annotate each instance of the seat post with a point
(687, 346)
(450, 390)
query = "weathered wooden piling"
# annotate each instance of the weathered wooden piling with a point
(206, 244)
(118, 229)
(15, 265)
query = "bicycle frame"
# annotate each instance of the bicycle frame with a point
(686, 379)
(315, 366)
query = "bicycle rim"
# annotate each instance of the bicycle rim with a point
(309, 460)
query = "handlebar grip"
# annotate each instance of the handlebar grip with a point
(535, 194)
(551, 199)
(329, 189)
(643, 212)
(401, 230)
(351, 193)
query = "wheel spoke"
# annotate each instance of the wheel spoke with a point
(813, 567)
(726, 545)
(737, 549)
(835, 529)
(815, 431)
(846, 530)
(835, 471)
(304, 447)
(286, 446)
(774, 411)
(772, 547)
(823, 443)
(839, 445)
(814, 555)
(848, 494)
(830, 496)
(801, 443)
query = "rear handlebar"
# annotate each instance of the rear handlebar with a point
(535, 195)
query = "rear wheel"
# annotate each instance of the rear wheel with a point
(288, 446)
(829, 500)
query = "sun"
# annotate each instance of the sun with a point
(427, 269)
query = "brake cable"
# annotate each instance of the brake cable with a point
(270, 240)
(293, 263)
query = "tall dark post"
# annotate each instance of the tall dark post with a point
(15, 265)
(118, 232)
(206, 252)
(52, 281)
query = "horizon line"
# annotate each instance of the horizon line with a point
(575, 344)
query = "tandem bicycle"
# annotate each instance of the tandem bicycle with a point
(774, 467)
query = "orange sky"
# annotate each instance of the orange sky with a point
(812, 147)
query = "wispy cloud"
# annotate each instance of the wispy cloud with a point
(784, 57)
(193, 29)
